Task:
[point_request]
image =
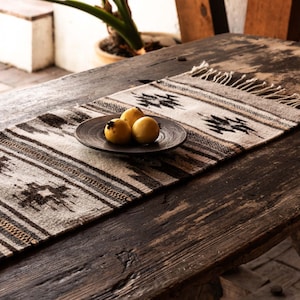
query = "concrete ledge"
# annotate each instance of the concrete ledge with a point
(27, 41)
(26, 9)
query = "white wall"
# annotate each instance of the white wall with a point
(76, 32)
(236, 14)
(155, 15)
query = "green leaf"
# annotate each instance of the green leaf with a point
(125, 26)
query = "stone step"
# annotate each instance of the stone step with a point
(241, 282)
(26, 34)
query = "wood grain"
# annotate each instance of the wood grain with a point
(273, 18)
(186, 235)
(199, 19)
(178, 237)
(195, 19)
(262, 58)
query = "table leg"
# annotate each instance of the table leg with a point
(194, 291)
(296, 240)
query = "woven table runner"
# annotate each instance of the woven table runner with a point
(50, 183)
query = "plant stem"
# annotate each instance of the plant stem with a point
(125, 27)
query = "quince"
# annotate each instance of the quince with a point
(117, 131)
(145, 130)
(130, 115)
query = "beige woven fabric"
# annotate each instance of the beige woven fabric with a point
(50, 183)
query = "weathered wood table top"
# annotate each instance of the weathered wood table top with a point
(163, 246)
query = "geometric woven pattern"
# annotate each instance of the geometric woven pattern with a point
(50, 183)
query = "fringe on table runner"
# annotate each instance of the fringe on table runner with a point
(250, 85)
(51, 184)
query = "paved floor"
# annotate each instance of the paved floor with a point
(274, 275)
(13, 78)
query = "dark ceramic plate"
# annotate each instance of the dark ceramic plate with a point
(90, 133)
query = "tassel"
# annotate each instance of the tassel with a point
(252, 85)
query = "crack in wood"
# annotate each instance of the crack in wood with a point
(127, 258)
(124, 282)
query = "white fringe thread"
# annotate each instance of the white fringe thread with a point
(253, 85)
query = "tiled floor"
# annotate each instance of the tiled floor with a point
(273, 275)
(12, 78)
(277, 269)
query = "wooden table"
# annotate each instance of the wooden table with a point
(158, 247)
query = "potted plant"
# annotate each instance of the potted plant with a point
(124, 39)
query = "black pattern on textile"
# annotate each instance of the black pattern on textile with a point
(50, 183)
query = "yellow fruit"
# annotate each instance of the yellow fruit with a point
(130, 115)
(145, 130)
(117, 131)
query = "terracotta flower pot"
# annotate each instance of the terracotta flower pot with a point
(165, 39)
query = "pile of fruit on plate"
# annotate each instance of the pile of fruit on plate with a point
(132, 126)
